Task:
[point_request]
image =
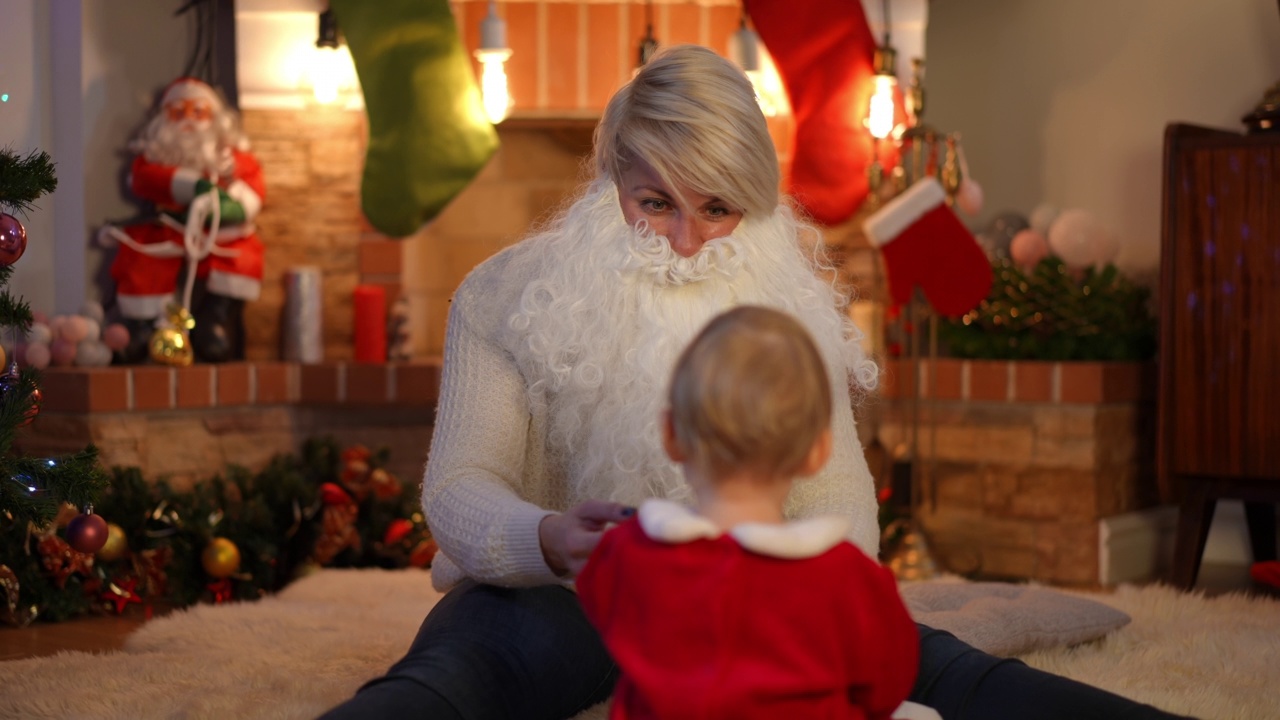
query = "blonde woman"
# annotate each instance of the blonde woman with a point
(557, 354)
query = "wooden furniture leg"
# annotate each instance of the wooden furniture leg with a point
(1194, 519)
(1261, 519)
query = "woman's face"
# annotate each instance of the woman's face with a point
(686, 218)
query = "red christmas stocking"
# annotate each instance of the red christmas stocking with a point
(925, 244)
(823, 50)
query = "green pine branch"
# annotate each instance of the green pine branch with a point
(14, 313)
(24, 179)
(1052, 314)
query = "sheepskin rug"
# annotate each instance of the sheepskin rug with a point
(310, 647)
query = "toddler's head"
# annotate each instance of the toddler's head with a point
(750, 393)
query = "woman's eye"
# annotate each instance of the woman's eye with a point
(653, 204)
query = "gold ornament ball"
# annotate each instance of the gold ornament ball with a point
(221, 558)
(117, 544)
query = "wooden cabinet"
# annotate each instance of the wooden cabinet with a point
(1219, 385)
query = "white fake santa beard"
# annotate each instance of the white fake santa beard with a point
(192, 147)
(612, 311)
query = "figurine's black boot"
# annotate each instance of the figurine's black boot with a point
(219, 332)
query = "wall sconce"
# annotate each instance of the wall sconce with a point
(750, 54)
(326, 61)
(493, 54)
(648, 44)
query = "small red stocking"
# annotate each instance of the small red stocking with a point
(925, 244)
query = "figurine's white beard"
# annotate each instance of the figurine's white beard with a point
(196, 148)
(612, 309)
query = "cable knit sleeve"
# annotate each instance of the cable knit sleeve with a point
(843, 487)
(485, 530)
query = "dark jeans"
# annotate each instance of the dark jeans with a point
(487, 653)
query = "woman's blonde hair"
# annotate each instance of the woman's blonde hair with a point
(693, 117)
(750, 391)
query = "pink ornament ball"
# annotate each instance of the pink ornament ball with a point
(116, 336)
(39, 316)
(969, 197)
(87, 533)
(74, 328)
(92, 309)
(63, 352)
(13, 239)
(1042, 218)
(92, 353)
(1080, 240)
(37, 355)
(1028, 249)
(39, 333)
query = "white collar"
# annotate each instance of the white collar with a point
(669, 522)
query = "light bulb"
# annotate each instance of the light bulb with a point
(326, 74)
(880, 114)
(493, 83)
(492, 54)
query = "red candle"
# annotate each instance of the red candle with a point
(370, 306)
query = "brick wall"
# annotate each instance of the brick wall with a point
(1020, 461)
(189, 423)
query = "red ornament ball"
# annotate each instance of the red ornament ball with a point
(87, 533)
(13, 239)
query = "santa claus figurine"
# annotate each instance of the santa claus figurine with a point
(192, 159)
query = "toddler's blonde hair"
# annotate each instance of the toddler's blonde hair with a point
(750, 391)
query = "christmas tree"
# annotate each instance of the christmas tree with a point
(35, 491)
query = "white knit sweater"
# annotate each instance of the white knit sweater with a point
(490, 477)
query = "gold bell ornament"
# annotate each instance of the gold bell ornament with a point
(171, 344)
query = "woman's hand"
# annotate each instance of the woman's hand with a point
(568, 538)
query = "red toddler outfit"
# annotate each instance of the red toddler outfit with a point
(765, 621)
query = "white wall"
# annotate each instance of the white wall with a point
(1066, 102)
(131, 50)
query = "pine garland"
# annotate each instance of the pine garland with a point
(1055, 314)
(274, 517)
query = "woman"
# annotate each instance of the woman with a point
(556, 361)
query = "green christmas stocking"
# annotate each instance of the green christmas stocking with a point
(428, 135)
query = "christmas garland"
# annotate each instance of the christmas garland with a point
(239, 535)
(1052, 313)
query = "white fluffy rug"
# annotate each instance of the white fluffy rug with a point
(313, 645)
